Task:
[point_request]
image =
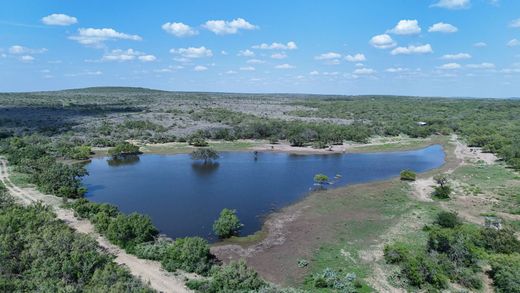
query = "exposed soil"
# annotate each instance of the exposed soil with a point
(148, 271)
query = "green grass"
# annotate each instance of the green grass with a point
(19, 179)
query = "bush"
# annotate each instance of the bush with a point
(198, 141)
(123, 148)
(235, 277)
(335, 280)
(442, 192)
(128, 231)
(396, 253)
(204, 154)
(190, 254)
(447, 220)
(500, 241)
(505, 272)
(227, 224)
(321, 178)
(408, 175)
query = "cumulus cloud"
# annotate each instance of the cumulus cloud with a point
(452, 4)
(484, 65)
(421, 49)
(314, 72)
(284, 66)
(279, 56)
(222, 27)
(457, 56)
(127, 55)
(396, 69)
(17, 49)
(255, 61)
(247, 68)
(59, 19)
(515, 23)
(364, 71)
(328, 56)
(513, 43)
(179, 29)
(406, 27)
(193, 52)
(449, 66)
(96, 37)
(480, 45)
(442, 27)
(200, 68)
(356, 58)
(27, 58)
(383, 41)
(277, 46)
(246, 53)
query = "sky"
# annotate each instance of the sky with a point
(463, 48)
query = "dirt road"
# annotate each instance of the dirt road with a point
(148, 271)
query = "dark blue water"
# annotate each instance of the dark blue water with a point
(183, 198)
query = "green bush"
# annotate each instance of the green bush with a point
(190, 254)
(447, 220)
(408, 175)
(235, 277)
(198, 141)
(128, 231)
(505, 272)
(500, 241)
(123, 148)
(396, 253)
(227, 224)
(442, 192)
(334, 280)
(204, 154)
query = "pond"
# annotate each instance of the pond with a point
(184, 197)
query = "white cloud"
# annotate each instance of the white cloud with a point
(147, 58)
(27, 58)
(200, 68)
(480, 45)
(246, 53)
(314, 72)
(484, 65)
(364, 71)
(277, 46)
(449, 66)
(96, 37)
(127, 55)
(231, 72)
(284, 66)
(513, 43)
(356, 58)
(457, 56)
(406, 27)
(193, 52)
(59, 19)
(383, 41)
(421, 49)
(279, 56)
(515, 23)
(247, 68)
(17, 49)
(452, 4)
(442, 27)
(396, 69)
(222, 27)
(179, 29)
(224, 52)
(255, 61)
(328, 56)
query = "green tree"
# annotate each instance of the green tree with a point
(123, 148)
(227, 224)
(408, 175)
(321, 179)
(205, 154)
(190, 254)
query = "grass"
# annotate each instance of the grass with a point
(19, 179)
(399, 143)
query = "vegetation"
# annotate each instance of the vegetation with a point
(321, 179)
(453, 253)
(335, 281)
(408, 175)
(442, 190)
(40, 253)
(227, 224)
(122, 149)
(205, 154)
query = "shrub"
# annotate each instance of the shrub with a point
(500, 241)
(235, 277)
(447, 220)
(123, 148)
(408, 175)
(128, 231)
(442, 192)
(396, 253)
(227, 224)
(205, 154)
(197, 141)
(505, 272)
(335, 280)
(321, 178)
(190, 254)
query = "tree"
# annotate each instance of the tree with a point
(447, 220)
(442, 191)
(190, 254)
(205, 154)
(227, 224)
(123, 148)
(321, 179)
(408, 175)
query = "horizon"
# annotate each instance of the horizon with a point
(434, 48)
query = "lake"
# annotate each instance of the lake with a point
(184, 197)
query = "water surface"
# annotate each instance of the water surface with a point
(183, 198)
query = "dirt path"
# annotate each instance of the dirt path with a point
(148, 271)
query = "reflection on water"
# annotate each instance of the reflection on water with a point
(123, 160)
(184, 197)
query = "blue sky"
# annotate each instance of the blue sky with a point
(402, 47)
